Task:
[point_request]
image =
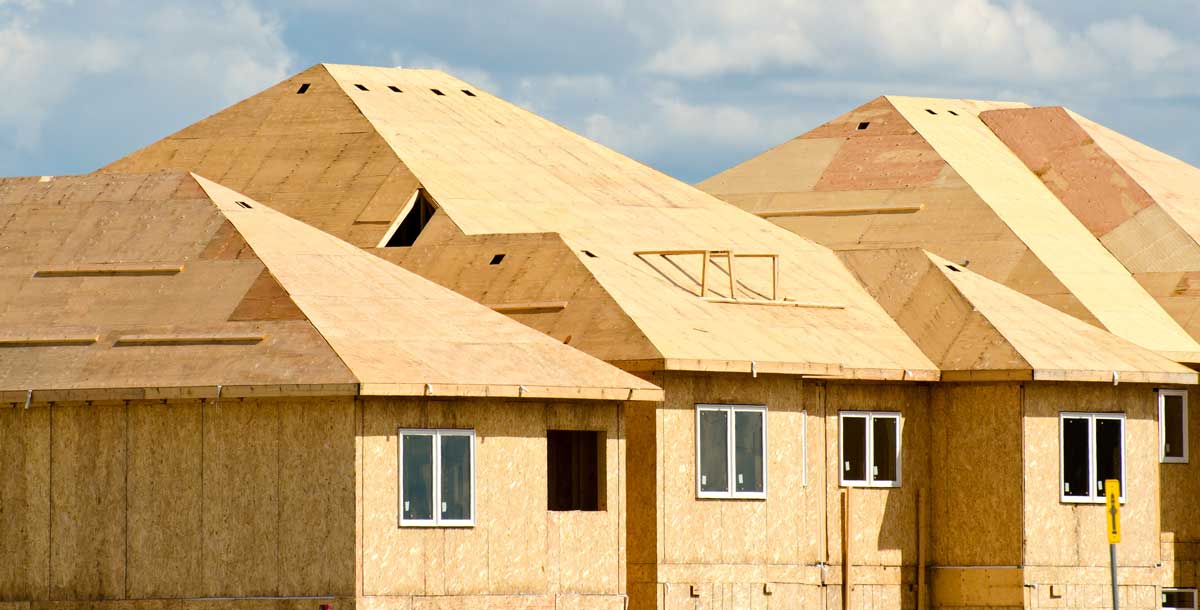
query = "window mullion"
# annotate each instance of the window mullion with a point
(869, 435)
(1092, 466)
(731, 452)
(437, 477)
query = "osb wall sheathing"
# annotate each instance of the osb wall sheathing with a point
(146, 500)
(1066, 544)
(714, 553)
(311, 156)
(975, 512)
(517, 553)
(1180, 485)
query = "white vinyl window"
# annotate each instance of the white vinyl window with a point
(1092, 450)
(1172, 426)
(1179, 599)
(869, 448)
(731, 451)
(437, 478)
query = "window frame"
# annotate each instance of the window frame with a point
(731, 452)
(1192, 590)
(870, 481)
(437, 434)
(1094, 497)
(1162, 430)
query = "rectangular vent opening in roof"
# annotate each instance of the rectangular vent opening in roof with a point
(497, 259)
(395, 88)
(303, 89)
(952, 112)
(863, 125)
(437, 91)
(361, 87)
(930, 111)
(243, 204)
(468, 93)
(409, 229)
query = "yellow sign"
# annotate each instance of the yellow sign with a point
(1112, 495)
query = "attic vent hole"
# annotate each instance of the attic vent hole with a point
(361, 87)
(243, 204)
(589, 253)
(468, 93)
(414, 222)
(496, 259)
(953, 268)
(303, 88)
(864, 125)
(395, 88)
(437, 91)
(952, 112)
(930, 111)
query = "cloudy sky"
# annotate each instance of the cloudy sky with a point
(690, 87)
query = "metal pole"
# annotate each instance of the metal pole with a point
(1112, 556)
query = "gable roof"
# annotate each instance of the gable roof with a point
(495, 169)
(978, 330)
(168, 285)
(928, 173)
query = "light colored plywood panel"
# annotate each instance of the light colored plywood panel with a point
(25, 502)
(316, 495)
(974, 510)
(165, 456)
(1179, 485)
(241, 505)
(88, 460)
(1059, 534)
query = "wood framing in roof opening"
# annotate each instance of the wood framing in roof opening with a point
(730, 259)
(411, 221)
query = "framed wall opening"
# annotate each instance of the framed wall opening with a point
(411, 221)
(575, 470)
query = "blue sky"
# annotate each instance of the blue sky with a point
(690, 87)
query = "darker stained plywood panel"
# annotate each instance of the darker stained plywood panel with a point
(241, 499)
(883, 162)
(87, 555)
(316, 496)
(24, 502)
(164, 500)
(975, 511)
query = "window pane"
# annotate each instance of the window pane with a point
(456, 477)
(854, 448)
(1108, 452)
(883, 430)
(1172, 424)
(1075, 457)
(1179, 599)
(748, 450)
(714, 451)
(417, 495)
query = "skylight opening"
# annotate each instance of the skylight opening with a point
(468, 93)
(437, 91)
(497, 259)
(414, 222)
(863, 125)
(395, 88)
(303, 89)
(930, 111)
(361, 87)
(243, 204)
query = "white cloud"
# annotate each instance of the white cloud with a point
(211, 53)
(475, 76)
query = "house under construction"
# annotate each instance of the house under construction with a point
(957, 427)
